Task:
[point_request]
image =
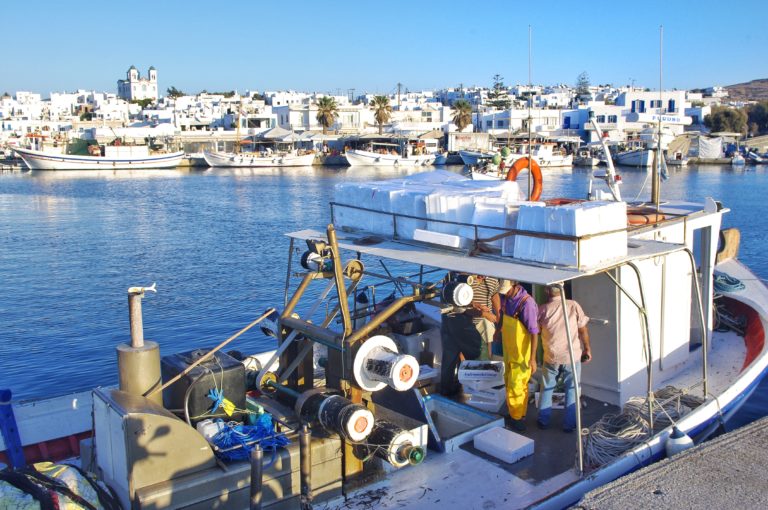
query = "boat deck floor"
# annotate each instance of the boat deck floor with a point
(555, 451)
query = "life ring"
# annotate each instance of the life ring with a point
(644, 216)
(521, 164)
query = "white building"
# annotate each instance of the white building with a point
(135, 88)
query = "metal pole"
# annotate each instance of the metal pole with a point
(288, 274)
(530, 102)
(575, 376)
(305, 461)
(134, 316)
(702, 321)
(257, 470)
(648, 341)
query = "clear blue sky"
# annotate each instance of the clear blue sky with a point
(325, 46)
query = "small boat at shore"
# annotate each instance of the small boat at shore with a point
(259, 159)
(358, 157)
(108, 157)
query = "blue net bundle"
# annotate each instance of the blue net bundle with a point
(235, 440)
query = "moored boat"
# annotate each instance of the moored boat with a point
(258, 159)
(358, 157)
(109, 157)
(662, 285)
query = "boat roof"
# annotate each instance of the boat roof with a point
(485, 264)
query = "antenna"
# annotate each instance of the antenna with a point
(656, 180)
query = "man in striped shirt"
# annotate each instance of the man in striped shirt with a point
(469, 331)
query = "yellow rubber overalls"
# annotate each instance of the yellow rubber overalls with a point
(516, 341)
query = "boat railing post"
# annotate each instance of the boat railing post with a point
(305, 461)
(257, 471)
(574, 376)
(648, 343)
(702, 321)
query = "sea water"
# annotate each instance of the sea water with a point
(71, 243)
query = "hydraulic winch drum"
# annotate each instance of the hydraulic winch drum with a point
(335, 414)
(378, 364)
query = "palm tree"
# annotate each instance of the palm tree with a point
(382, 110)
(327, 112)
(462, 113)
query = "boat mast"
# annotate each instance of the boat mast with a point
(656, 180)
(530, 102)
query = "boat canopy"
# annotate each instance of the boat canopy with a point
(485, 264)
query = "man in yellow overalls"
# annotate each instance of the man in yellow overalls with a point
(519, 337)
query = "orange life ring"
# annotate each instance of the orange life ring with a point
(644, 216)
(521, 164)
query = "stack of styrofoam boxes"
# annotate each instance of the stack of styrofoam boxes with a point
(372, 195)
(578, 219)
(483, 383)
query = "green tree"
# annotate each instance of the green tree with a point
(143, 102)
(382, 111)
(727, 119)
(173, 92)
(462, 113)
(582, 84)
(327, 112)
(757, 114)
(497, 96)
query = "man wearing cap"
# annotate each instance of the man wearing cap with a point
(469, 331)
(519, 337)
(557, 357)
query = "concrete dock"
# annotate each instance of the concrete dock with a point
(726, 472)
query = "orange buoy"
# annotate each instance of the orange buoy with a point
(644, 216)
(521, 164)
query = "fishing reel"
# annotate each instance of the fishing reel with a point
(317, 257)
(457, 290)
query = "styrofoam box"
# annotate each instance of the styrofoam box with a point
(449, 240)
(577, 220)
(504, 444)
(487, 399)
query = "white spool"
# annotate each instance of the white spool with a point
(404, 438)
(378, 364)
(359, 425)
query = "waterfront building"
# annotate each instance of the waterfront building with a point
(134, 87)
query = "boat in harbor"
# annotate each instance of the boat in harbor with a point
(388, 154)
(104, 157)
(268, 158)
(656, 283)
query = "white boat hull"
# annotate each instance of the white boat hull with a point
(366, 158)
(471, 158)
(637, 157)
(247, 159)
(37, 160)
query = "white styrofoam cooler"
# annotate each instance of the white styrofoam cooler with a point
(579, 219)
(504, 444)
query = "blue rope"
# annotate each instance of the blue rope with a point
(727, 283)
(235, 441)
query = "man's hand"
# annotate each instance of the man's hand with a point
(532, 364)
(586, 356)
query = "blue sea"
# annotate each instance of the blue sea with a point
(71, 243)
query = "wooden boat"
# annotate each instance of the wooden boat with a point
(257, 159)
(651, 289)
(109, 157)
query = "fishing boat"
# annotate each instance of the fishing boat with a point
(105, 157)
(268, 158)
(388, 154)
(475, 157)
(365, 373)
(677, 159)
